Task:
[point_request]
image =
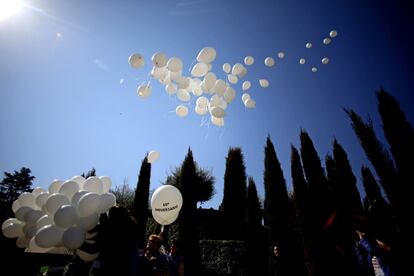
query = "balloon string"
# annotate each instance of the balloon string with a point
(162, 228)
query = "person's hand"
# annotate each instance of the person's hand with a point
(360, 234)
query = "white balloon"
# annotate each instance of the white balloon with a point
(166, 201)
(88, 204)
(199, 70)
(202, 101)
(264, 83)
(229, 95)
(327, 41)
(76, 197)
(281, 55)
(314, 69)
(175, 76)
(308, 45)
(269, 62)
(93, 184)
(32, 216)
(183, 95)
(106, 201)
(333, 33)
(37, 191)
(246, 85)
(65, 216)
(232, 79)
(48, 236)
(159, 73)
(55, 186)
(29, 230)
(207, 55)
(250, 103)
(242, 73)
(174, 64)
(159, 60)
(10, 221)
(88, 222)
(219, 87)
(44, 220)
(226, 68)
(201, 110)
(54, 202)
(171, 88)
(183, 82)
(302, 61)
(164, 221)
(80, 180)
(27, 199)
(21, 212)
(217, 121)
(245, 97)
(209, 80)
(12, 230)
(181, 111)
(197, 91)
(217, 112)
(15, 206)
(153, 156)
(136, 61)
(22, 242)
(237, 69)
(34, 248)
(144, 90)
(106, 183)
(249, 60)
(73, 237)
(210, 66)
(325, 60)
(86, 257)
(69, 188)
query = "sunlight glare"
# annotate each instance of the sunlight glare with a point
(9, 7)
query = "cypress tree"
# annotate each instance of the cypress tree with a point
(300, 200)
(277, 207)
(400, 136)
(320, 207)
(140, 205)
(256, 242)
(377, 155)
(380, 219)
(234, 197)
(187, 229)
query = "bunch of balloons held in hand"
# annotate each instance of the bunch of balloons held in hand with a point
(57, 220)
(213, 94)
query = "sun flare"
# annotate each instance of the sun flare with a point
(9, 7)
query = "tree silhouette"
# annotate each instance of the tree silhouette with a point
(140, 205)
(13, 184)
(277, 210)
(204, 185)
(187, 229)
(256, 241)
(234, 197)
(302, 207)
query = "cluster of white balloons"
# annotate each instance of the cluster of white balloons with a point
(218, 93)
(57, 220)
(166, 203)
(325, 41)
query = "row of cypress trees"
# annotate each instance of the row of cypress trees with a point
(314, 226)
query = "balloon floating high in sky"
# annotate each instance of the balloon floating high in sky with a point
(212, 93)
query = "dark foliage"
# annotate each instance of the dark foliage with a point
(13, 184)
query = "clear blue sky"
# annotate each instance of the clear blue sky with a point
(63, 109)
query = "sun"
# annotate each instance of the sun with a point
(9, 7)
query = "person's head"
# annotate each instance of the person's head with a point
(154, 243)
(276, 250)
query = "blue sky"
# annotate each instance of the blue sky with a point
(63, 109)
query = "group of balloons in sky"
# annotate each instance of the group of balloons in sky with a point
(57, 220)
(213, 94)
